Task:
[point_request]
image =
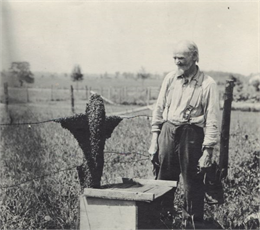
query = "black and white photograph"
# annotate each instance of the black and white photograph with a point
(130, 115)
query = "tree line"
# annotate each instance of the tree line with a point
(20, 72)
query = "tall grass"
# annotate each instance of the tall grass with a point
(51, 202)
(28, 152)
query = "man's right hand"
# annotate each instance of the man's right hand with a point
(154, 146)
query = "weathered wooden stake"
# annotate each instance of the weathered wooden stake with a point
(87, 95)
(91, 130)
(51, 92)
(109, 93)
(120, 95)
(72, 99)
(220, 99)
(27, 95)
(6, 95)
(224, 138)
(148, 96)
(125, 93)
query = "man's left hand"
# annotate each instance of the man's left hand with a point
(206, 159)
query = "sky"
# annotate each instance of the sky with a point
(124, 36)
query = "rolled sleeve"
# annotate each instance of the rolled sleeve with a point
(157, 118)
(212, 116)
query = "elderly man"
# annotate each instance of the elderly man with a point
(185, 129)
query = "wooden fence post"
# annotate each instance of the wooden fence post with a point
(86, 88)
(220, 100)
(72, 99)
(148, 96)
(89, 93)
(121, 95)
(225, 127)
(52, 93)
(125, 93)
(109, 93)
(27, 95)
(6, 95)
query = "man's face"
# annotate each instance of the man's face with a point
(183, 59)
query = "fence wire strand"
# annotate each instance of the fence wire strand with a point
(71, 168)
(58, 119)
(38, 177)
(125, 153)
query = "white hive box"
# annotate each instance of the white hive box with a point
(131, 204)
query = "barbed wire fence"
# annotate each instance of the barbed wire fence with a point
(58, 119)
(145, 157)
(62, 170)
(68, 169)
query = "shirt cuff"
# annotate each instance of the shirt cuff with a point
(207, 147)
(155, 128)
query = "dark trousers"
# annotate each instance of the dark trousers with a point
(179, 152)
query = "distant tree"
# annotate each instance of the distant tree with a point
(128, 75)
(22, 71)
(106, 75)
(255, 81)
(131, 75)
(143, 75)
(125, 75)
(76, 75)
(117, 73)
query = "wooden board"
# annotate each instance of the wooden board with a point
(100, 214)
(158, 191)
(132, 189)
(119, 194)
(149, 181)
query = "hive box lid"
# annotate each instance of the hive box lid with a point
(132, 189)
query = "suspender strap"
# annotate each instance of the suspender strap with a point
(194, 97)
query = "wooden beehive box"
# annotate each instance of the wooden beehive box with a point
(130, 204)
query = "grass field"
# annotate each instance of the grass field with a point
(45, 156)
(51, 201)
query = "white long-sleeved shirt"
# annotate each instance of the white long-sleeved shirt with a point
(175, 96)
